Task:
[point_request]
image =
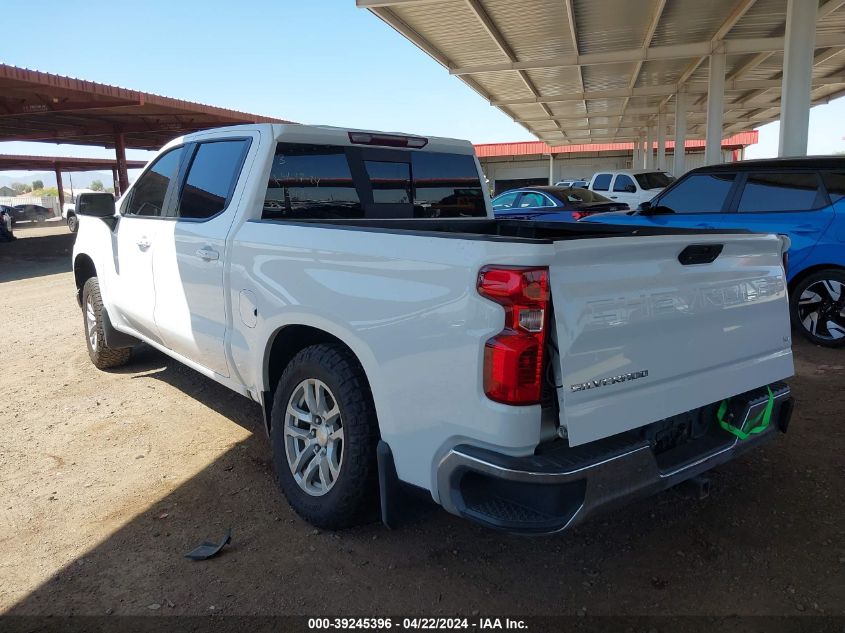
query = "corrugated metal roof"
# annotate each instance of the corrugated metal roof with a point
(531, 148)
(548, 64)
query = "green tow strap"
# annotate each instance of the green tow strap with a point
(758, 424)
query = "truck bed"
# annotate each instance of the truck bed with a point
(503, 230)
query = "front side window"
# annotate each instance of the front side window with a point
(624, 184)
(446, 186)
(601, 182)
(391, 182)
(698, 193)
(310, 182)
(505, 201)
(778, 192)
(148, 195)
(211, 178)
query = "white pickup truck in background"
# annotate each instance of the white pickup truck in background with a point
(355, 284)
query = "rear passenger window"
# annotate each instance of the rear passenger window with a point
(835, 184)
(310, 182)
(211, 178)
(148, 194)
(601, 182)
(533, 201)
(622, 183)
(774, 192)
(698, 193)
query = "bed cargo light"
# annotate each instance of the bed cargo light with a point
(513, 359)
(387, 140)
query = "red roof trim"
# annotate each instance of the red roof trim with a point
(528, 148)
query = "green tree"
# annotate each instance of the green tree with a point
(19, 187)
(37, 184)
(97, 185)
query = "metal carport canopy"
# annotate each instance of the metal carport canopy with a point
(581, 71)
(39, 106)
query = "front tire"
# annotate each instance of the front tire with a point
(72, 223)
(324, 433)
(103, 356)
(817, 306)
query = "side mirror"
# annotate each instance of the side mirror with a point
(630, 189)
(644, 206)
(98, 205)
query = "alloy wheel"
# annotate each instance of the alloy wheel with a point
(821, 309)
(314, 437)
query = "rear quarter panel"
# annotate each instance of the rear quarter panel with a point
(407, 307)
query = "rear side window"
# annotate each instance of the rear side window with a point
(149, 193)
(310, 181)
(622, 183)
(601, 182)
(211, 178)
(446, 186)
(781, 191)
(835, 184)
(698, 193)
(533, 201)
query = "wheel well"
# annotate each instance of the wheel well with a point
(810, 271)
(83, 270)
(287, 343)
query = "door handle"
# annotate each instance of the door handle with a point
(208, 254)
(613, 197)
(804, 229)
(143, 243)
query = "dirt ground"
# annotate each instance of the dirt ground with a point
(108, 478)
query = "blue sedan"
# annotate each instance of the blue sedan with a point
(552, 204)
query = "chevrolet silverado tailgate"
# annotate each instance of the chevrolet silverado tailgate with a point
(651, 326)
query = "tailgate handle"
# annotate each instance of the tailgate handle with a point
(700, 254)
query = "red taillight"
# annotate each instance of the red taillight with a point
(513, 359)
(387, 140)
(577, 215)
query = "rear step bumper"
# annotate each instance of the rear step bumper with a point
(561, 486)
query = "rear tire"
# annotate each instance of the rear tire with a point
(103, 356)
(72, 223)
(324, 433)
(817, 307)
(40, 218)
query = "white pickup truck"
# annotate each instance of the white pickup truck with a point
(523, 375)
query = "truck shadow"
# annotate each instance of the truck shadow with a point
(669, 554)
(35, 256)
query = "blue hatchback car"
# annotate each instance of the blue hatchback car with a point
(803, 198)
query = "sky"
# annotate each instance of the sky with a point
(320, 61)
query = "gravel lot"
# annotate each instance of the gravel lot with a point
(107, 479)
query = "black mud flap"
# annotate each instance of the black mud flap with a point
(401, 503)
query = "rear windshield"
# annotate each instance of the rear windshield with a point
(337, 182)
(576, 195)
(654, 180)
